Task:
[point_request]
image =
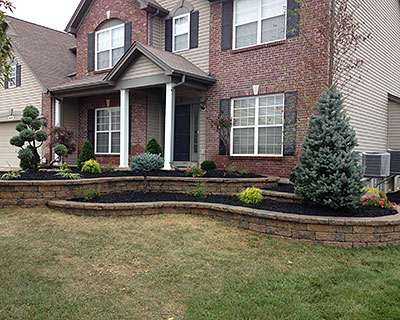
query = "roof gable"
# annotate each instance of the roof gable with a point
(83, 8)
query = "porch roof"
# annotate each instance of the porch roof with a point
(170, 63)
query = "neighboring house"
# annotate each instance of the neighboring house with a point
(163, 69)
(41, 59)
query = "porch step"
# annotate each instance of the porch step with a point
(185, 164)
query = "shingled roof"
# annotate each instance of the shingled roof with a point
(46, 51)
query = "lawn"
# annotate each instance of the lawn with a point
(55, 266)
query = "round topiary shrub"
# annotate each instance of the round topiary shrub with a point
(86, 154)
(153, 147)
(61, 150)
(208, 165)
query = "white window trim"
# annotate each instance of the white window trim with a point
(259, 26)
(257, 126)
(12, 83)
(110, 131)
(109, 50)
(174, 35)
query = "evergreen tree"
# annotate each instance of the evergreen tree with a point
(87, 153)
(153, 147)
(330, 171)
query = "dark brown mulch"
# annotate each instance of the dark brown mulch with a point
(50, 175)
(296, 208)
(282, 187)
(394, 197)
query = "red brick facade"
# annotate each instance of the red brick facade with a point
(274, 67)
(125, 10)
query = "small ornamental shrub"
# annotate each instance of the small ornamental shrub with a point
(64, 168)
(91, 166)
(195, 172)
(251, 196)
(330, 171)
(65, 136)
(87, 193)
(243, 172)
(200, 191)
(110, 167)
(376, 201)
(146, 162)
(68, 175)
(60, 150)
(30, 138)
(10, 175)
(382, 194)
(208, 165)
(153, 147)
(230, 170)
(86, 154)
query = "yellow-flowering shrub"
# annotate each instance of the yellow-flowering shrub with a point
(251, 195)
(91, 166)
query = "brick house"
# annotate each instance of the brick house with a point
(163, 69)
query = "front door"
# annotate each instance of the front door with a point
(182, 133)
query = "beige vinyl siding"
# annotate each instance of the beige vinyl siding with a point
(70, 119)
(143, 67)
(394, 125)
(157, 37)
(29, 93)
(366, 101)
(198, 56)
(155, 119)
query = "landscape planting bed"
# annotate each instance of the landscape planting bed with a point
(270, 205)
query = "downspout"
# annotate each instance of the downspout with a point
(151, 26)
(331, 41)
(180, 83)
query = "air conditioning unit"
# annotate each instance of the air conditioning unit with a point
(394, 162)
(377, 164)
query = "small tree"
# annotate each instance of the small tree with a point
(153, 147)
(329, 172)
(30, 138)
(222, 124)
(5, 43)
(64, 136)
(87, 153)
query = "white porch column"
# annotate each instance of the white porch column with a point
(124, 129)
(57, 113)
(169, 125)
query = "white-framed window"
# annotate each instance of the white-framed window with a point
(257, 125)
(180, 32)
(107, 131)
(258, 22)
(12, 82)
(109, 45)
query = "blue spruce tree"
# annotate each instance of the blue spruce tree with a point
(330, 171)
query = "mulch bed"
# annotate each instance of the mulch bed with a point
(50, 174)
(288, 188)
(394, 196)
(296, 208)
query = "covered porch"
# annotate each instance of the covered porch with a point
(149, 93)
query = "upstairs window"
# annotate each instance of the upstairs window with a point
(181, 27)
(13, 77)
(109, 46)
(258, 22)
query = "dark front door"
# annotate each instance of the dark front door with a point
(182, 133)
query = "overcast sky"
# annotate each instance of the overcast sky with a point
(54, 14)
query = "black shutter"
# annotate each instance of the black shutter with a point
(194, 29)
(226, 31)
(130, 130)
(90, 51)
(224, 106)
(90, 126)
(168, 35)
(290, 124)
(5, 82)
(18, 76)
(293, 18)
(128, 35)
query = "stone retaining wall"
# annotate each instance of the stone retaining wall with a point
(37, 193)
(343, 232)
(282, 196)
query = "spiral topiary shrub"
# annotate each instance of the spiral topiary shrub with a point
(86, 154)
(153, 147)
(30, 138)
(91, 166)
(60, 150)
(251, 195)
(208, 165)
(146, 162)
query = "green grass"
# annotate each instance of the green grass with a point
(55, 266)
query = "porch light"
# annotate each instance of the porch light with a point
(108, 102)
(202, 104)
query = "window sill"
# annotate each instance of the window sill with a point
(107, 154)
(274, 158)
(259, 46)
(102, 71)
